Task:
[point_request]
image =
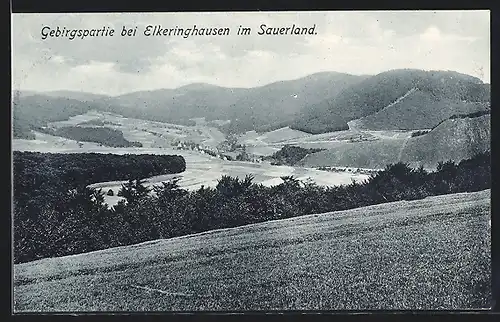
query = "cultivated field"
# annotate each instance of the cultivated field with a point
(163, 135)
(270, 142)
(425, 254)
(201, 169)
(151, 134)
(208, 173)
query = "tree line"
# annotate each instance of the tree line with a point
(290, 155)
(466, 115)
(61, 218)
(47, 175)
(104, 135)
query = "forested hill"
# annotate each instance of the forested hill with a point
(318, 103)
(77, 170)
(254, 108)
(248, 108)
(397, 99)
(34, 111)
(275, 105)
(103, 135)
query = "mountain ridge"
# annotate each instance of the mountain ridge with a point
(398, 99)
(374, 93)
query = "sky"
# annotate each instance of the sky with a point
(353, 42)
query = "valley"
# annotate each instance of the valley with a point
(202, 169)
(344, 153)
(212, 240)
(360, 121)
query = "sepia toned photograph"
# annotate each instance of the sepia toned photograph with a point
(251, 161)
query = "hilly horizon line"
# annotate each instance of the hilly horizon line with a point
(204, 84)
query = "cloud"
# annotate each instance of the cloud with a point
(431, 34)
(350, 42)
(127, 55)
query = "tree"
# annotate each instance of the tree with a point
(290, 182)
(169, 191)
(232, 187)
(243, 156)
(445, 176)
(134, 190)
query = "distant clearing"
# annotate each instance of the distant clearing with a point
(454, 139)
(417, 110)
(207, 173)
(149, 133)
(201, 169)
(426, 254)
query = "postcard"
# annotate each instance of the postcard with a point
(251, 161)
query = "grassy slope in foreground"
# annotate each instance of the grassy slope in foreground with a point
(425, 254)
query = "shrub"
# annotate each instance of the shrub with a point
(54, 217)
(419, 133)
